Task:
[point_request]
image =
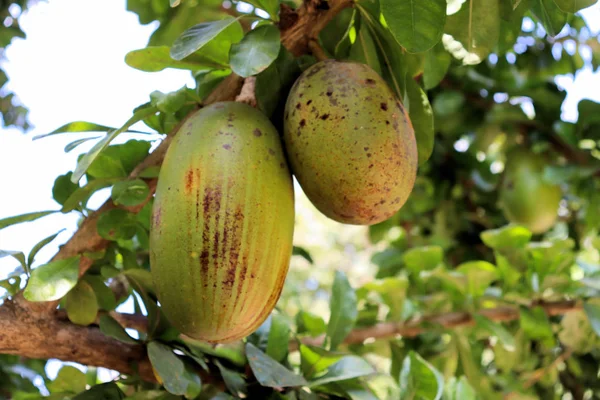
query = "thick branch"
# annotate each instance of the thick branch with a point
(312, 17)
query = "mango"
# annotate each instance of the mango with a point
(524, 195)
(349, 142)
(222, 223)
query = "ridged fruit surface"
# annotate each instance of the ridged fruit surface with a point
(222, 223)
(350, 142)
(525, 197)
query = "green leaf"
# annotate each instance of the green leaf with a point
(421, 116)
(69, 379)
(573, 6)
(39, 246)
(348, 367)
(474, 31)
(75, 143)
(110, 327)
(104, 295)
(81, 304)
(63, 188)
(270, 6)
(269, 372)
(17, 255)
(535, 323)
(393, 293)
(157, 58)
(423, 258)
(479, 276)
(363, 49)
(79, 126)
(314, 361)
(105, 391)
(17, 219)
(233, 380)
(206, 82)
(279, 337)
(419, 379)
(437, 63)
(343, 307)
(81, 195)
(274, 82)
(311, 323)
(496, 329)
(459, 390)
(116, 224)
(172, 371)
(507, 237)
(84, 163)
(417, 24)
(53, 280)
(550, 16)
(257, 50)
(130, 193)
(195, 38)
(593, 313)
(302, 252)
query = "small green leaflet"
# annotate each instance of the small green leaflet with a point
(257, 50)
(199, 35)
(348, 367)
(497, 330)
(130, 193)
(110, 327)
(78, 127)
(419, 379)
(269, 372)
(473, 31)
(175, 3)
(363, 50)
(344, 310)
(17, 219)
(75, 143)
(176, 378)
(39, 246)
(81, 304)
(157, 58)
(416, 24)
(421, 116)
(572, 6)
(302, 252)
(86, 160)
(53, 280)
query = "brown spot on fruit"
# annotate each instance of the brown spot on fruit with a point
(227, 146)
(272, 152)
(303, 123)
(257, 132)
(384, 106)
(189, 181)
(324, 116)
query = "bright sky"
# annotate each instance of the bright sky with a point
(71, 68)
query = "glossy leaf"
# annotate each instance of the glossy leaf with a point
(79, 126)
(158, 58)
(110, 327)
(302, 252)
(507, 237)
(497, 330)
(234, 381)
(418, 379)
(343, 307)
(552, 18)
(53, 280)
(421, 116)
(18, 219)
(130, 193)
(364, 50)
(437, 63)
(116, 224)
(416, 24)
(269, 372)
(256, 51)
(593, 313)
(348, 367)
(279, 337)
(196, 37)
(473, 31)
(63, 188)
(172, 371)
(104, 391)
(80, 196)
(275, 81)
(81, 304)
(69, 379)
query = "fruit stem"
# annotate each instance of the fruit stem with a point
(317, 50)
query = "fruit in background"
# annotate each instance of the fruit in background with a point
(350, 142)
(525, 197)
(222, 223)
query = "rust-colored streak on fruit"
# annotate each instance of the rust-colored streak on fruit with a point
(349, 142)
(221, 236)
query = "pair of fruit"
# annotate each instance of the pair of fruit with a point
(223, 217)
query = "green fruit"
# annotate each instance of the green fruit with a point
(350, 143)
(222, 223)
(525, 197)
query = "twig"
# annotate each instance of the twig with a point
(248, 93)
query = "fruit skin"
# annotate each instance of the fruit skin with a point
(350, 142)
(525, 197)
(222, 223)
